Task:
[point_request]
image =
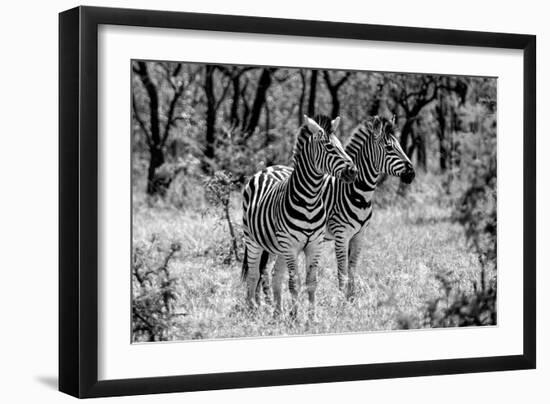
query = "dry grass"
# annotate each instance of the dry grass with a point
(408, 245)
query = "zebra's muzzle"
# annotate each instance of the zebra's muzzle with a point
(408, 176)
(349, 174)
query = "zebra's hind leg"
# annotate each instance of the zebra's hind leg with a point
(265, 276)
(354, 254)
(278, 276)
(313, 254)
(292, 284)
(341, 249)
(254, 252)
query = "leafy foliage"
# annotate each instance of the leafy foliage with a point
(460, 309)
(154, 292)
(218, 192)
(476, 211)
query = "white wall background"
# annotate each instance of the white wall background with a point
(28, 203)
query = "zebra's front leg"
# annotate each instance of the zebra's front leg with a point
(354, 255)
(341, 249)
(313, 254)
(277, 283)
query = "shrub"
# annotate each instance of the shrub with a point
(218, 192)
(461, 309)
(476, 211)
(154, 292)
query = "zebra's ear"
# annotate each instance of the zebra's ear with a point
(367, 123)
(377, 128)
(334, 123)
(313, 127)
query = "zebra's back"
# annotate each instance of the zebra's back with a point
(348, 209)
(275, 221)
(262, 193)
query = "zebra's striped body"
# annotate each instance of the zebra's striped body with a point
(283, 210)
(375, 150)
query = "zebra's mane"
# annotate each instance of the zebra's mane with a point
(303, 133)
(362, 133)
(301, 138)
(324, 122)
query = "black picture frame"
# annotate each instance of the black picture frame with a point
(78, 201)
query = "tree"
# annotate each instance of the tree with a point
(157, 129)
(312, 92)
(412, 93)
(235, 74)
(264, 82)
(452, 93)
(302, 97)
(333, 88)
(212, 104)
(441, 111)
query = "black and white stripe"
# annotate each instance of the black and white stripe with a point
(283, 209)
(375, 150)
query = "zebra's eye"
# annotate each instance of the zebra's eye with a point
(388, 147)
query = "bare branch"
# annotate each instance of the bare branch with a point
(151, 89)
(335, 86)
(224, 93)
(342, 80)
(140, 121)
(171, 109)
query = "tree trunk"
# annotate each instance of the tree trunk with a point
(312, 93)
(443, 154)
(267, 125)
(405, 135)
(302, 98)
(210, 117)
(155, 145)
(335, 104)
(155, 184)
(259, 100)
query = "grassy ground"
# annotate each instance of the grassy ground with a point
(410, 245)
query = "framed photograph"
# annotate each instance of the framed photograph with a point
(251, 201)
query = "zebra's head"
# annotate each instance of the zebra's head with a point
(391, 159)
(328, 155)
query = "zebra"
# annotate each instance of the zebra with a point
(283, 210)
(375, 150)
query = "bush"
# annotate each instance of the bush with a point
(219, 188)
(476, 211)
(460, 309)
(154, 292)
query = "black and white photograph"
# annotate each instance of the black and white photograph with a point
(277, 201)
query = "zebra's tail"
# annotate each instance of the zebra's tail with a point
(263, 263)
(244, 271)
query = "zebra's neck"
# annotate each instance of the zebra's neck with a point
(361, 151)
(305, 182)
